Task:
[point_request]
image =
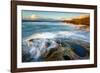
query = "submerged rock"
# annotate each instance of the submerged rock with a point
(79, 50)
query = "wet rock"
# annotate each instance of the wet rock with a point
(67, 57)
(55, 54)
(56, 50)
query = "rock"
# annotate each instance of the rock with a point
(55, 54)
(55, 50)
(67, 57)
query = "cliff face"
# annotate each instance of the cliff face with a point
(83, 21)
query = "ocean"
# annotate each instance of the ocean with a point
(36, 35)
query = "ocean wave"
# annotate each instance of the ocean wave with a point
(38, 46)
(60, 34)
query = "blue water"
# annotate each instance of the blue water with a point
(30, 28)
(79, 50)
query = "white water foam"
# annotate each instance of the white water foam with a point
(60, 34)
(37, 45)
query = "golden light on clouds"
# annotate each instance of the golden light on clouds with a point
(82, 16)
(33, 16)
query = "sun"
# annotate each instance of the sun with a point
(33, 16)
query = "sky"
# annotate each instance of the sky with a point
(50, 14)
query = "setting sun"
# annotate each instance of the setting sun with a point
(33, 16)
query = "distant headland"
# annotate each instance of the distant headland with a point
(85, 20)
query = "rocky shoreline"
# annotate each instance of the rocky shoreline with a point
(83, 20)
(64, 49)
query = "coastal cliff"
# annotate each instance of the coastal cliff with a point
(83, 20)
